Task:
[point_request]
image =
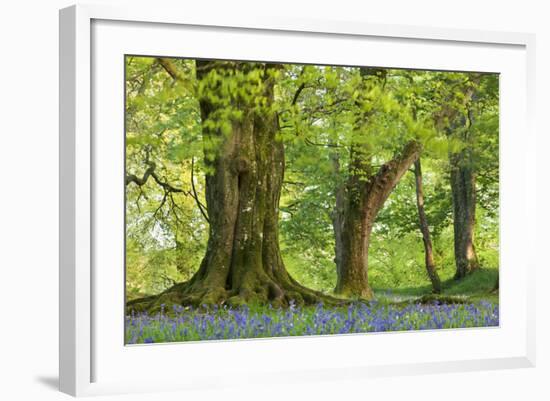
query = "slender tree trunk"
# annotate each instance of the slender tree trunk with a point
(364, 197)
(243, 262)
(425, 229)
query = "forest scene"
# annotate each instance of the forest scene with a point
(272, 200)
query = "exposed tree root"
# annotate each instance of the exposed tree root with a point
(195, 293)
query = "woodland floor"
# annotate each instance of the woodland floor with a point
(467, 303)
(474, 287)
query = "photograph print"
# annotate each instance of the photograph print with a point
(271, 200)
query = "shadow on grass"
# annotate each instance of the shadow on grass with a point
(477, 285)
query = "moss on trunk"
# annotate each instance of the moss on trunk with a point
(243, 263)
(365, 196)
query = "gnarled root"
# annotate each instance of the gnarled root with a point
(260, 290)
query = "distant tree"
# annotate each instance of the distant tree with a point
(457, 118)
(425, 229)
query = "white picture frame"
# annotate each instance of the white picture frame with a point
(80, 218)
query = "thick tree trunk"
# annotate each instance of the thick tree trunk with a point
(463, 181)
(425, 229)
(242, 263)
(181, 264)
(457, 124)
(364, 197)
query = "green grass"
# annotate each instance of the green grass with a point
(402, 277)
(479, 282)
(474, 287)
(414, 283)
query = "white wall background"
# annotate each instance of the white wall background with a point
(29, 197)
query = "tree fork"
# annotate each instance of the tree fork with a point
(365, 196)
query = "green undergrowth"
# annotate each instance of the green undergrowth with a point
(476, 286)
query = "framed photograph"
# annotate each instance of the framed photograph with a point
(271, 198)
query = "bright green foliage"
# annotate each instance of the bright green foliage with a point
(323, 111)
(165, 230)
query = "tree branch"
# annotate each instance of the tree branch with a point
(150, 172)
(297, 94)
(171, 69)
(390, 173)
(202, 208)
(140, 181)
(177, 75)
(325, 145)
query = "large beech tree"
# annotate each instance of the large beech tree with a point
(365, 195)
(364, 192)
(244, 162)
(367, 160)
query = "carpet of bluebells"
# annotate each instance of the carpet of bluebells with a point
(220, 323)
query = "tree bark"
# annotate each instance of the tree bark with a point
(337, 215)
(365, 194)
(496, 286)
(463, 188)
(457, 124)
(425, 229)
(243, 263)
